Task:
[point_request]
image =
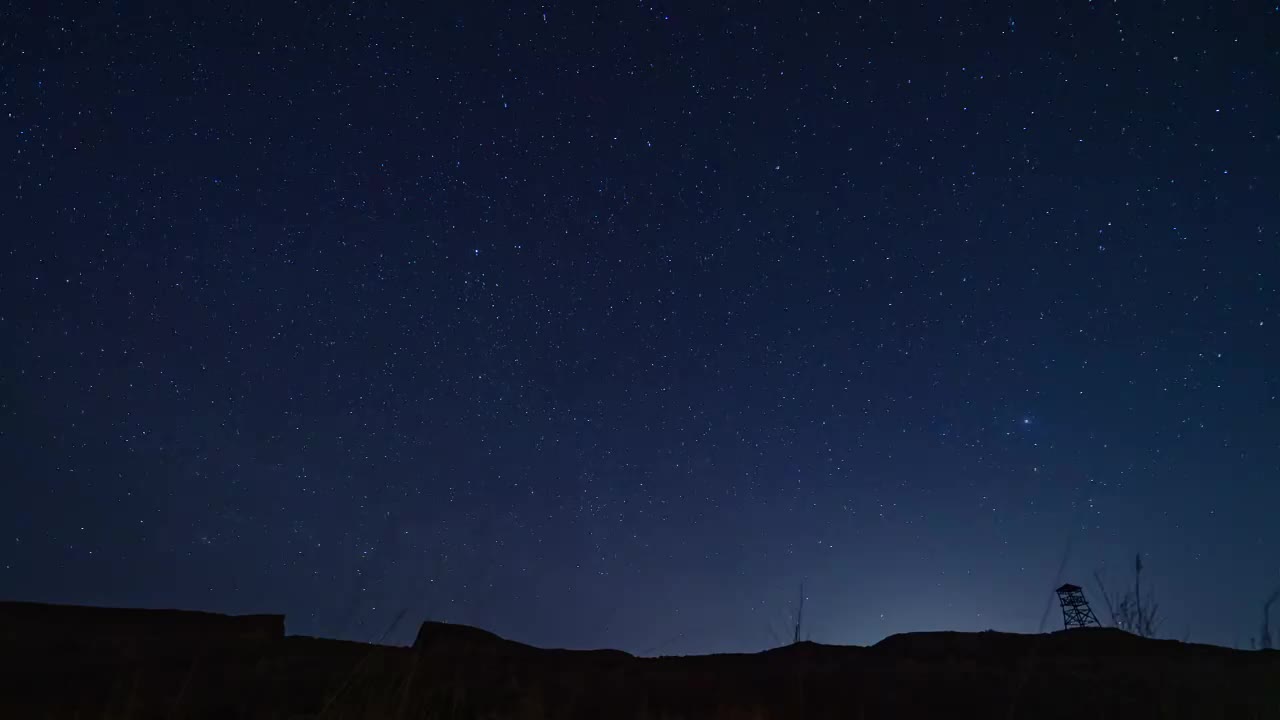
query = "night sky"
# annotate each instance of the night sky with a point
(609, 327)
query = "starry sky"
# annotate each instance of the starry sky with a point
(609, 326)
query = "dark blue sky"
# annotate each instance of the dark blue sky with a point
(607, 327)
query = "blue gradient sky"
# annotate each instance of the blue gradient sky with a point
(608, 327)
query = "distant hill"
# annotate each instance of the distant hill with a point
(68, 662)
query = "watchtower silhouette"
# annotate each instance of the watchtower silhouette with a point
(1075, 609)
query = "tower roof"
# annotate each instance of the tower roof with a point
(1068, 587)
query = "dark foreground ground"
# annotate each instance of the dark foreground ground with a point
(74, 662)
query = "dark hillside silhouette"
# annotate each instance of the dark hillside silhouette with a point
(456, 671)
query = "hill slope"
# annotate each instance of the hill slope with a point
(109, 663)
